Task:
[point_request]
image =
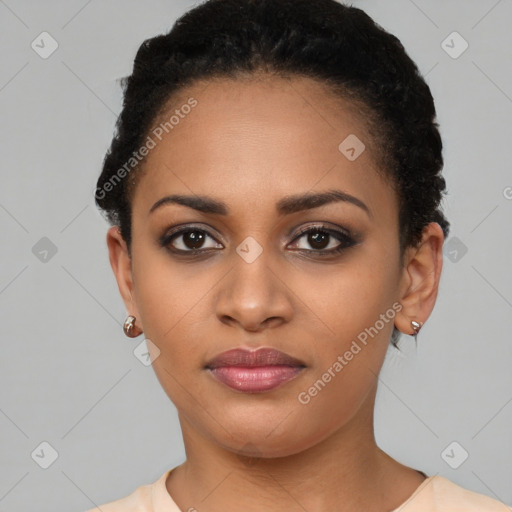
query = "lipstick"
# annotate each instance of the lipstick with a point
(254, 371)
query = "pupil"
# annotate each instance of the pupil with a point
(318, 240)
(193, 239)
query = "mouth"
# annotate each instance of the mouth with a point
(254, 371)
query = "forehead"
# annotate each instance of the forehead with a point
(248, 139)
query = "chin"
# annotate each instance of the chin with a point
(269, 440)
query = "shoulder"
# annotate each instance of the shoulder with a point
(139, 500)
(450, 497)
(146, 498)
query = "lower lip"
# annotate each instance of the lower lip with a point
(255, 379)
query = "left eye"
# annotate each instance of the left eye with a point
(321, 239)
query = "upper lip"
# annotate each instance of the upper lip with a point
(259, 357)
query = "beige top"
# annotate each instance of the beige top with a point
(435, 494)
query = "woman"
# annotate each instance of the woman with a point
(274, 191)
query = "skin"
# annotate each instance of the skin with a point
(249, 143)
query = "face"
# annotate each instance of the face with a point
(260, 268)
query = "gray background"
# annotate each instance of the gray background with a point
(69, 376)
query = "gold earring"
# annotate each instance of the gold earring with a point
(130, 328)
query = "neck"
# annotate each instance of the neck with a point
(345, 471)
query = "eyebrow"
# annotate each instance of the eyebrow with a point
(285, 206)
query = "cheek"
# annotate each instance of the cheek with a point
(167, 291)
(168, 304)
(356, 303)
(350, 297)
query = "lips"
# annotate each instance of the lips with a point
(253, 358)
(254, 371)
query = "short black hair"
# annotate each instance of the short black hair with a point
(336, 44)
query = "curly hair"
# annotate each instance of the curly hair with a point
(338, 45)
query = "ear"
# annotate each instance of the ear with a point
(420, 279)
(120, 261)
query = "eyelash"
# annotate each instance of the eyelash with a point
(346, 240)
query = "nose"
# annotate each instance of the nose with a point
(254, 296)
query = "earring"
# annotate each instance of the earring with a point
(130, 329)
(416, 326)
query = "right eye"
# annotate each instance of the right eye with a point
(189, 239)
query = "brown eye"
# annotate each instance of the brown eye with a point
(318, 239)
(323, 240)
(189, 239)
(193, 239)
